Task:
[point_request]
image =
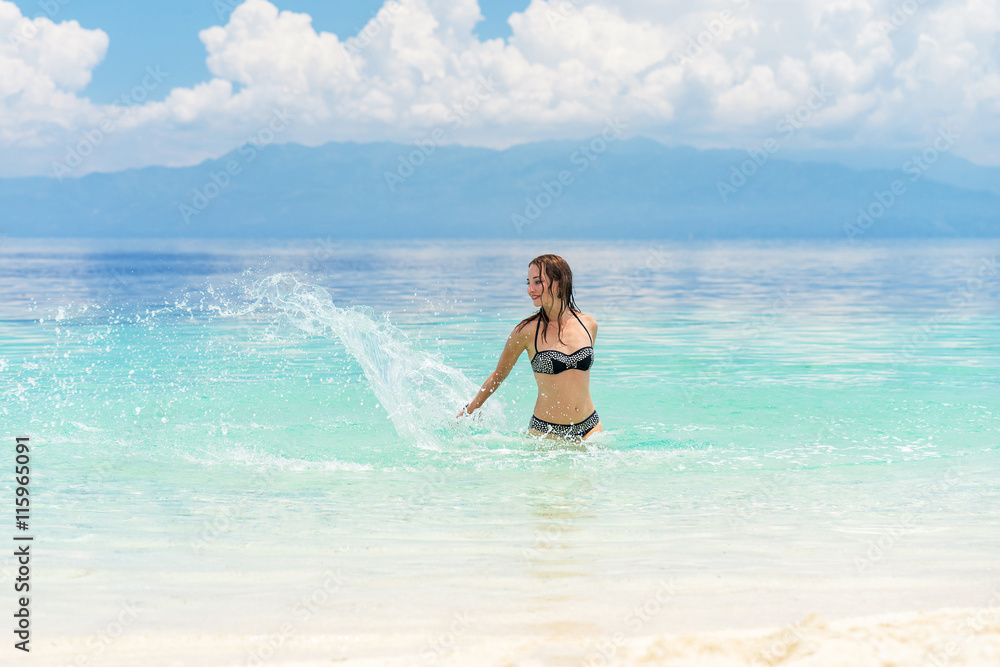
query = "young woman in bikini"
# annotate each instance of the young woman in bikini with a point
(562, 368)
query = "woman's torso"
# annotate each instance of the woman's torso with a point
(563, 397)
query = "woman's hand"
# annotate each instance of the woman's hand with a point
(463, 411)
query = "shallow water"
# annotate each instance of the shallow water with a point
(788, 409)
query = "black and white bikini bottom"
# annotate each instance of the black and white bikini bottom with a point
(567, 430)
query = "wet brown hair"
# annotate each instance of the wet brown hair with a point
(556, 269)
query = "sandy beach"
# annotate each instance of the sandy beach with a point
(949, 636)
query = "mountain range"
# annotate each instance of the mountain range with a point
(598, 188)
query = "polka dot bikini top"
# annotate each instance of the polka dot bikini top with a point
(552, 362)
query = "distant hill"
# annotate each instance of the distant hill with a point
(581, 189)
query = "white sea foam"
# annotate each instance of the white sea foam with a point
(269, 461)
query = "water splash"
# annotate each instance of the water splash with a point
(419, 392)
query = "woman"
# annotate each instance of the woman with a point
(559, 339)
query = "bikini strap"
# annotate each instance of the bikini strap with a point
(538, 325)
(582, 325)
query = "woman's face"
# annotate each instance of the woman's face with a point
(539, 288)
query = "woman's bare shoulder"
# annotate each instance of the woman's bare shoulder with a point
(524, 329)
(588, 320)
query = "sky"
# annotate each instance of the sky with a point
(98, 86)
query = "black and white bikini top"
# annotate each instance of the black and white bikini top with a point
(552, 362)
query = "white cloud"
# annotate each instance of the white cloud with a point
(62, 53)
(715, 72)
(42, 67)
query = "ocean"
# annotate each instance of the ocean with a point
(245, 452)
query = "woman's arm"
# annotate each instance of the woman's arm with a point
(517, 343)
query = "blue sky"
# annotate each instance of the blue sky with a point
(102, 86)
(166, 33)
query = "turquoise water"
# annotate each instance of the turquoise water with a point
(186, 399)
